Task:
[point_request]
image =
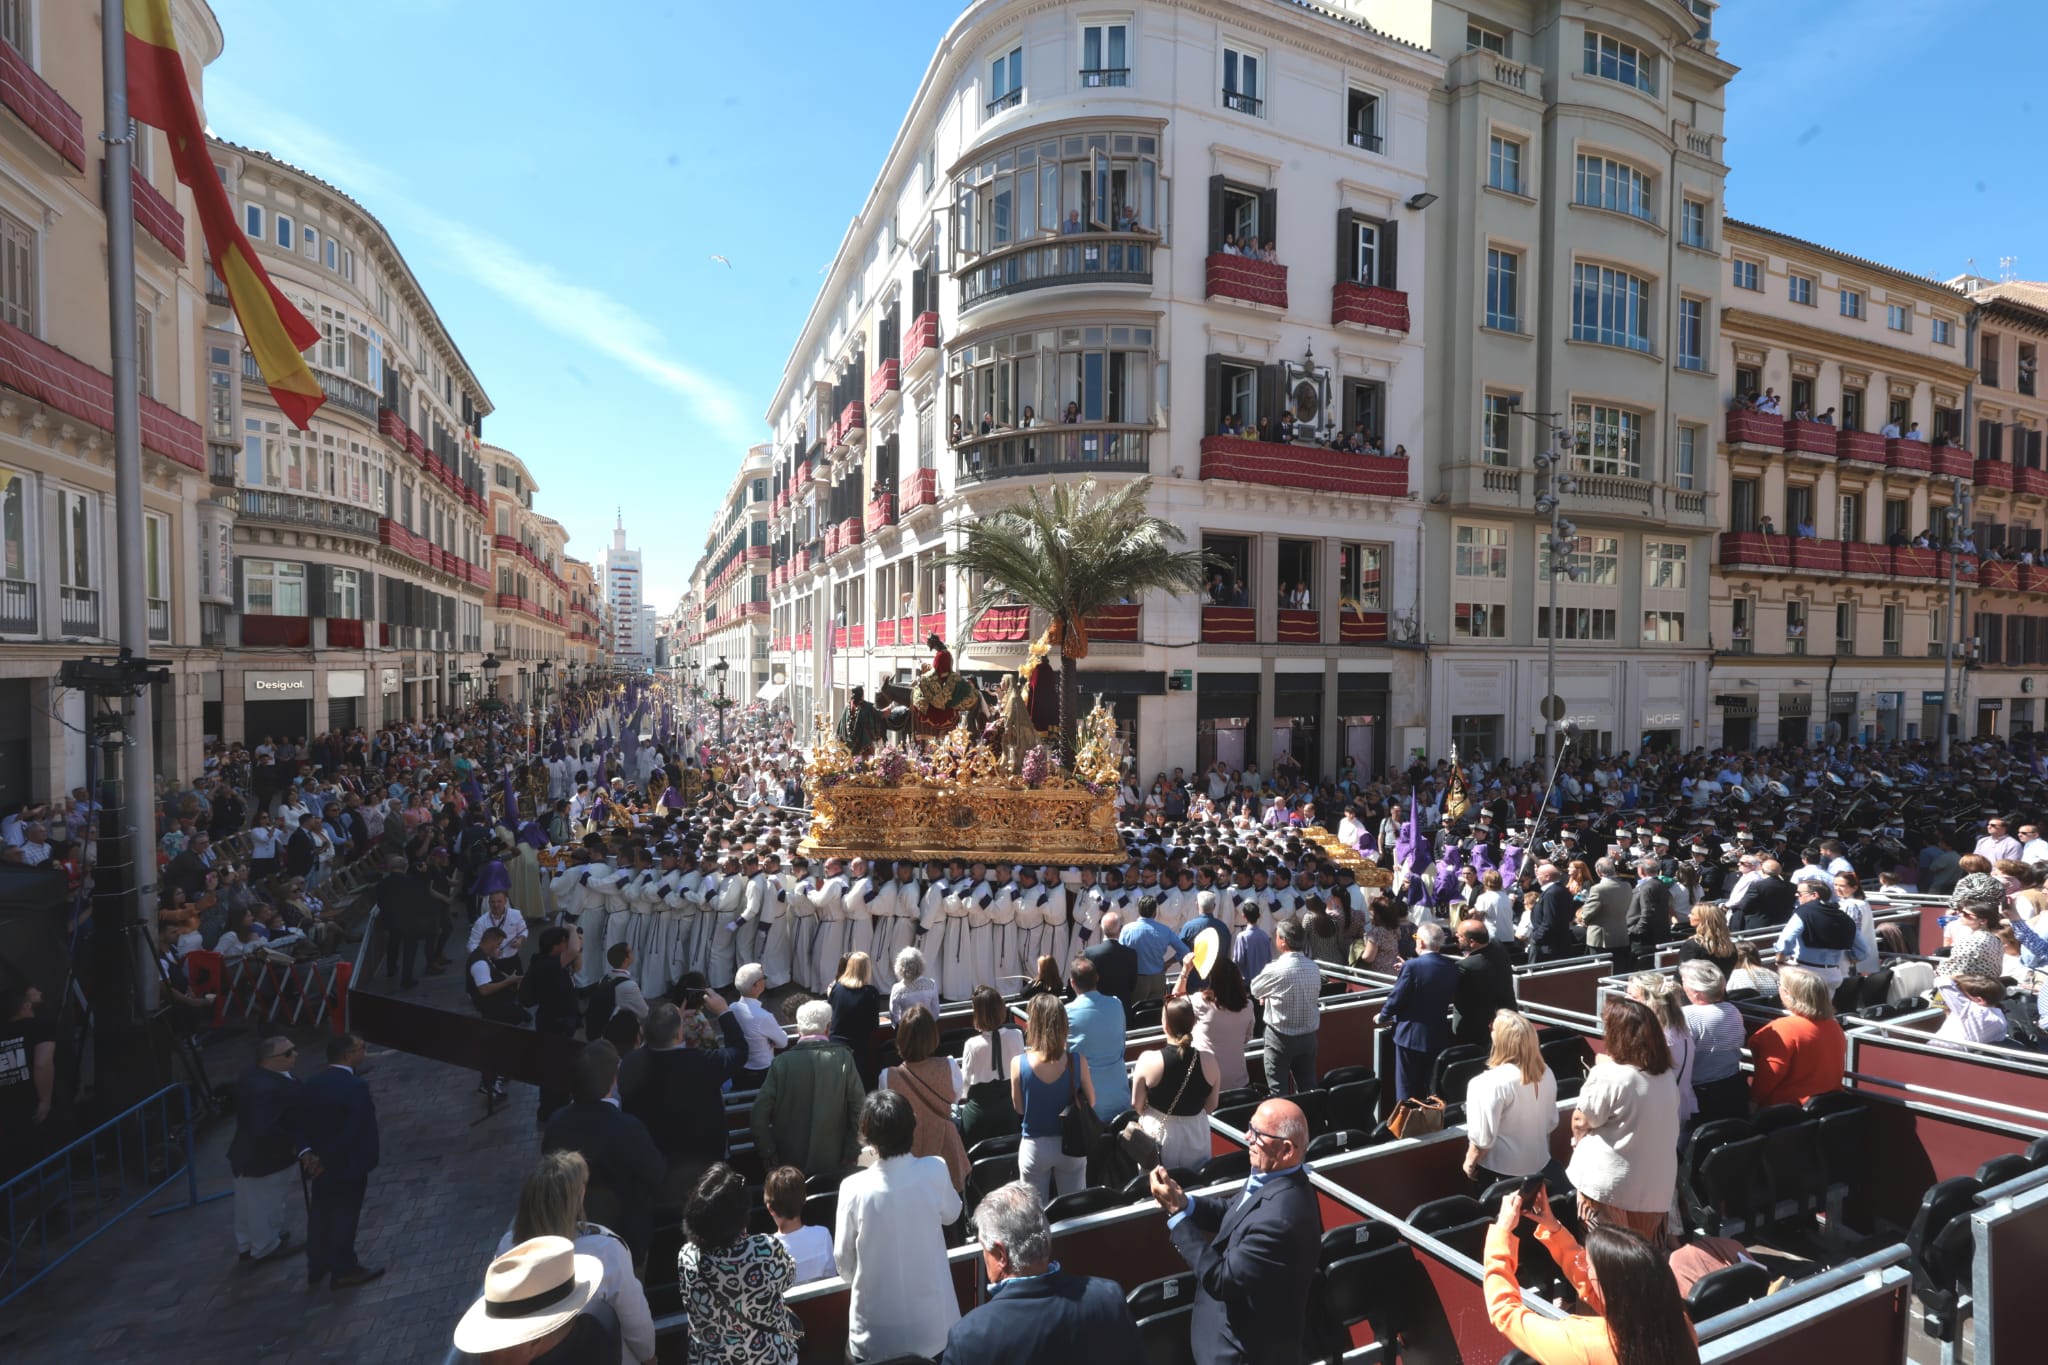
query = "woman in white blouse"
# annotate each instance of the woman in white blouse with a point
(1625, 1130)
(1511, 1107)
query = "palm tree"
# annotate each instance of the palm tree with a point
(1069, 552)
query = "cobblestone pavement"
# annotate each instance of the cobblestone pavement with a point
(171, 1290)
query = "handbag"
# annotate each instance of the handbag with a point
(1080, 1125)
(1417, 1118)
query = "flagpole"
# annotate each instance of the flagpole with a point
(136, 810)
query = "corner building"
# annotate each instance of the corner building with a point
(1043, 252)
(1573, 283)
(360, 557)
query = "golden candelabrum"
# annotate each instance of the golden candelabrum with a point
(959, 797)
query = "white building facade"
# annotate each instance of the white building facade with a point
(620, 580)
(1047, 283)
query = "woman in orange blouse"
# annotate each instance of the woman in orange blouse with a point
(1802, 1054)
(1640, 1320)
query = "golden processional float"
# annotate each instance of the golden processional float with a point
(962, 796)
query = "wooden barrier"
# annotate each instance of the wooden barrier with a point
(517, 1054)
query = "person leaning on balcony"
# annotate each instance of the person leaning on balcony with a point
(1890, 431)
(1826, 419)
(1804, 529)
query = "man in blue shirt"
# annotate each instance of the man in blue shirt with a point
(1095, 1029)
(1156, 945)
(1204, 918)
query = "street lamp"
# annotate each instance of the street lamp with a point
(1957, 517)
(719, 669)
(541, 694)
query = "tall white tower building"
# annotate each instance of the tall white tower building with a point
(619, 578)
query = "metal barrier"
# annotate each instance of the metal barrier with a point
(277, 992)
(58, 1206)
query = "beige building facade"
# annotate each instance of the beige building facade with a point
(59, 597)
(729, 588)
(1827, 621)
(1578, 152)
(528, 613)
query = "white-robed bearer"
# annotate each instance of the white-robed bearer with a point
(863, 901)
(804, 930)
(828, 894)
(699, 895)
(774, 923)
(907, 896)
(1058, 925)
(955, 962)
(1030, 941)
(729, 905)
(930, 936)
(611, 923)
(665, 935)
(1085, 914)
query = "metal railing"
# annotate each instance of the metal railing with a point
(1008, 100)
(78, 611)
(18, 614)
(1241, 102)
(1094, 78)
(1056, 450)
(258, 504)
(349, 394)
(1068, 258)
(56, 1207)
(159, 619)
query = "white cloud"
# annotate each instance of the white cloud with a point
(577, 312)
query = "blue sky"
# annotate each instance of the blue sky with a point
(561, 187)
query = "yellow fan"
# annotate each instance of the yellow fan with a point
(1208, 945)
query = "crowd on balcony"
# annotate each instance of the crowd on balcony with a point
(1769, 404)
(1286, 429)
(1251, 249)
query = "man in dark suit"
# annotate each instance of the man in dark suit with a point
(1420, 1006)
(1486, 983)
(550, 992)
(341, 1123)
(270, 1137)
(1766, 902)
(302, 850)
(1550, 923)
(1036, 1314)
(1116, 966)
(1649, 914)
(187, 872)
(1253, 1253)
(626, 1168)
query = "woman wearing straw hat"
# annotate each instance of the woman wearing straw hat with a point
(540, 1303)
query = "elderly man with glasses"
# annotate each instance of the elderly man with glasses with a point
(1036, 1313)
(1253, 1252)
(269, 1144)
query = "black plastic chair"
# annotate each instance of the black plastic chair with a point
(1243, 1094)
(1345, 1075)
(1935, 1262)
(1568, 1059)
(1728, 1288)
(1145, 1014)
(1229, 1166)
(1373, 1287)
(988, 1174)
(1355, 1104)
(1354, 1239)
(1832, 1102)
(1081, 1203)
(2000, 1169)
(1165, 1337)
(953, 1041)
(1451, 1056)
(826, 1181)
(664, 1288)
(1161, 1295)
(1315, 1107)
(1456, 1078)
(821, 1210)
(1006, 1145)
(1451, 1211)
(1794, 1166)
(1337, 1141)
(1772, 1117)
(1727, 1191)
(1238, 1116)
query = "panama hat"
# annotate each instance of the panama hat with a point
(529, 1291)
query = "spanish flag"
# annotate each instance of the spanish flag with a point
(159, 95)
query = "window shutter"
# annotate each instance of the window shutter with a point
(316, 590)
(1269, 394)
(1347, 235)
(1212, 394)
(1390, 274)
(1269, 217)
(1215, 214)
(241, 597)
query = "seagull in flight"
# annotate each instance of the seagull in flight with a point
(722, 261)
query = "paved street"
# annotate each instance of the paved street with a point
(171, 1289)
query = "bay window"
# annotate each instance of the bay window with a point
(1080, 182)
(1609, 440)
(18, 552)
(1611, 307)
